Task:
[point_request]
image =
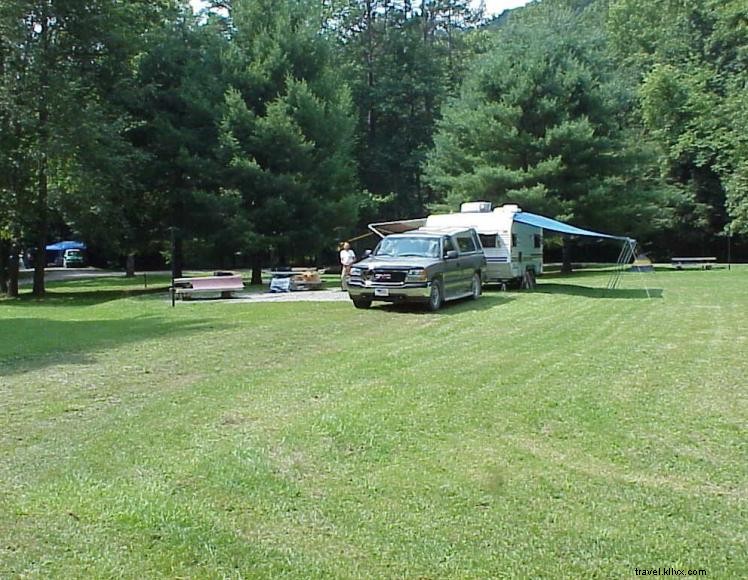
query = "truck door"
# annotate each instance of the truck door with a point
(469, 258)
(452, 273)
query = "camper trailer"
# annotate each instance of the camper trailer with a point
(511, 248)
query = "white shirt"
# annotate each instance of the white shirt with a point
(347, 257)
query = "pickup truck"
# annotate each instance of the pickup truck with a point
(426, 265)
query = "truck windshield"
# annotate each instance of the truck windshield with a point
(405, 246)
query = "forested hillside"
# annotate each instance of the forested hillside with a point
(259, 132)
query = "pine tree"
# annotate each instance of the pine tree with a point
(286, 133)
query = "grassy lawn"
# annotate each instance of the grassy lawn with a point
(565, 432)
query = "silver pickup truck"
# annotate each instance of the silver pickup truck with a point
(425, 265)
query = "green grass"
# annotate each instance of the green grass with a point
(566, 432)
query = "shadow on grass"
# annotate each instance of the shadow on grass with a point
(672, 269)
(587, 292)
(485, 302)
(86, 297)
(583, 273)
(37, 343)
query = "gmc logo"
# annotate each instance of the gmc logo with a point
(382, 276)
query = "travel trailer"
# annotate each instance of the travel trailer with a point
(512, 248)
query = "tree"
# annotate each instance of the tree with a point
(178, 105)
(694, 69)
(56, 55)
(402, 59)
(100, 191)
(286, 133)
(535, 123)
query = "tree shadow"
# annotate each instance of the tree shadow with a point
(36, 343)
(588, 292)
(668, 269)
(485, 302)
(581, 273)
(68, 298)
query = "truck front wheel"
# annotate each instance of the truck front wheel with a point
(362, 303)
(436, 296)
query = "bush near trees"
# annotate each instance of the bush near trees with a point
(269, 130)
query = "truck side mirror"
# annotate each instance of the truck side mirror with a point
(451, 254)
(367, 253)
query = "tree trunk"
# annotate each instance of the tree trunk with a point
(40, 260)
(370, 68)
(13, 272)
(566, 255)
(40, 256)
(256, 262)
(4, 253)
(176, 253)
(424, 20)
(130, 265)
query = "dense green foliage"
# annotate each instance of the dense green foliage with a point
(287, 133)
(264, 131)
(692, 59)
(537, 121)
(62, 62)
(628, 119)
(402, 59)
(568, 432)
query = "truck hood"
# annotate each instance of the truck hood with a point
(396, 263)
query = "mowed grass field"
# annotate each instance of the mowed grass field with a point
(565, 432)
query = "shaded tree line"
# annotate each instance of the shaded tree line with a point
(261, 131)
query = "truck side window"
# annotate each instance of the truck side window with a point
(465, 243)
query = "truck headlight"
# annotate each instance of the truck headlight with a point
(355, 271)
(416, 275)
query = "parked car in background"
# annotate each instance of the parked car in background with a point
(73, 259)
(426, 265)
(57, 254)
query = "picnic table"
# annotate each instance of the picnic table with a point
(224, 283)
(703, 262)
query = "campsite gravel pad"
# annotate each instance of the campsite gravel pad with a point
(308, 296)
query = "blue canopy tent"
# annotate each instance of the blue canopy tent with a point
(67, 245)
(55, 251)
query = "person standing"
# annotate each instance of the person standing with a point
(347, 257)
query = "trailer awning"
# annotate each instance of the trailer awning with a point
(540, 221)
(383, 229)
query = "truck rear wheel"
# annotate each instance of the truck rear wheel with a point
(476, 287)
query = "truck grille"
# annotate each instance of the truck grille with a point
(385, 276)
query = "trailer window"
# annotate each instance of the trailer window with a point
(487, 241)
(514, 240)
(537, 240)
